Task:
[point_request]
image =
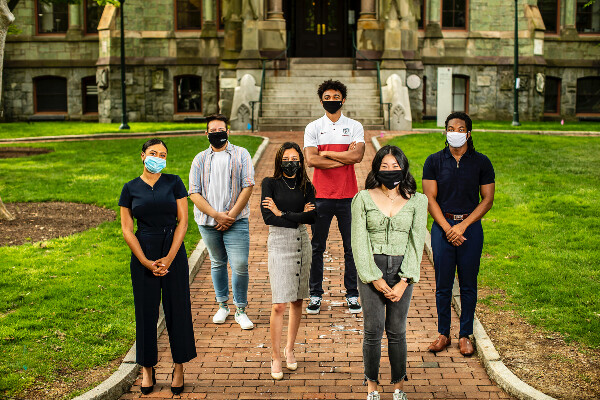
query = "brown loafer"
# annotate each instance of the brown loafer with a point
(465, 346)
(439, 344)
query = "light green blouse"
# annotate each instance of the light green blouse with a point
(400, 235)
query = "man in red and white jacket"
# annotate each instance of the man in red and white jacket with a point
(332, 145)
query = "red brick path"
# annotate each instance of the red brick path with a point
(235, 364)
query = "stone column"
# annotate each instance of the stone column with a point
(250, 55)
(367, 10)
(433, 45)
(75, 20)
(275, 11)
(568, 30)
(209, 25)
(392, 57)
(433, 27)
(369, 39)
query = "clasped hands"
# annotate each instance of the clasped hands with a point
(455, 233)
(224, 221)
(395, 293)
(270, 204)
(159, 267)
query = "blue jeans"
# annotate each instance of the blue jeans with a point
(448, 260)
(232, 245)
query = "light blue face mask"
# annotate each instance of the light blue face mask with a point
(155, 164)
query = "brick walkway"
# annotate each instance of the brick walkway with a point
(235, 364)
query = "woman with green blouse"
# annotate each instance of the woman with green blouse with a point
(389, 223)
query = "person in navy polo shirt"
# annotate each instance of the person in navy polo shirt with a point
(332, 145)
(453, 181)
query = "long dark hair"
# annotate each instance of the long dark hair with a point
(464, 117)
(301, 175)
(408, 186)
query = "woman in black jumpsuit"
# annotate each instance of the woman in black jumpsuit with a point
(158, 263)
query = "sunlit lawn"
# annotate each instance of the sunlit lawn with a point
(31, 129)
(67, 304)
(542, 242)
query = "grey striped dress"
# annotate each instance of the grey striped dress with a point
(290, 256)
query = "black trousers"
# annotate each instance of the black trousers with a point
(175, 292)
(463, 260)
(326, 209)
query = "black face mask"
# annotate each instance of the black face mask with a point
(332, 106)
(217, 139)
(390, 179)
(290, 167)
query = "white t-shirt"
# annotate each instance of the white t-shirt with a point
(219, 184)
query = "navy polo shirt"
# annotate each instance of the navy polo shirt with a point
(458, 182)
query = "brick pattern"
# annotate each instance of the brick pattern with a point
(235, 364)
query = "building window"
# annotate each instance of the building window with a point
(52, 17)
(188, 94)
(460, 93)
(421, 22)
(552, 96)
(588, 18)
(89, 95)
(588, 95)
(93, 12)
(189, 14)
(50, 93)
(454, 14)
(549, 10)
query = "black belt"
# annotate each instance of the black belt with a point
(456, 217)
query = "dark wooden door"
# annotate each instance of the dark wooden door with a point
(320, 29)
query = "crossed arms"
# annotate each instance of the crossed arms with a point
(333, 159)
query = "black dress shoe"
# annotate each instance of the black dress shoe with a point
(177, 390)
(149, 389)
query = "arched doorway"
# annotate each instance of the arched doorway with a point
(321, 28)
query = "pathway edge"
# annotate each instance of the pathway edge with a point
(123, 378)
(492, 362)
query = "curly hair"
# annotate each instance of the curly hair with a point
(332, 85)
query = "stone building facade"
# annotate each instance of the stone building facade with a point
(186, 57)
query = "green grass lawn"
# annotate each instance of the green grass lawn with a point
(525, 125)
(67, 304)
(542, 246)
(11, 130)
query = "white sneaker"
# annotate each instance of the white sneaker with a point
(374, 396)
(242, 319)
(221, 315)
(399, 395)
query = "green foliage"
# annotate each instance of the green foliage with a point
(66, 304)
(542, 246)
(34, 129)
(14, 30)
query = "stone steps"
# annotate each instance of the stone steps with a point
(290, 98)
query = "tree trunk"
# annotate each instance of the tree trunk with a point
(6, 18)
(4, 214)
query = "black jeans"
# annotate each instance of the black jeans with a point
(326, 209)
(379, 313)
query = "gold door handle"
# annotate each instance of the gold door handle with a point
(318, 29)
(323, 29)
